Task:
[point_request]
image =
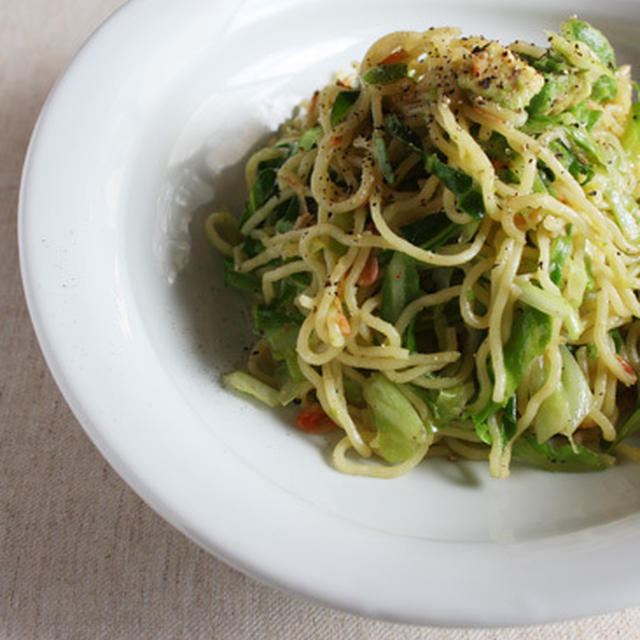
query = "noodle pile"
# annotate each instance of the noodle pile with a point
(443, 250)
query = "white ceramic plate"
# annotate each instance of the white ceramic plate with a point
(151, 122)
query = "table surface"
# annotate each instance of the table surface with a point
(81, 556)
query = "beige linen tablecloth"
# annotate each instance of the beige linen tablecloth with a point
(80, 555)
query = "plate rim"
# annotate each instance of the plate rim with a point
(165, 503)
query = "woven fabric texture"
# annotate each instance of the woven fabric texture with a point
(81, 556)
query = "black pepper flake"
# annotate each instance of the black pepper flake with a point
(478, 49)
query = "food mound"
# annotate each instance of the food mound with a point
(443, 254)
